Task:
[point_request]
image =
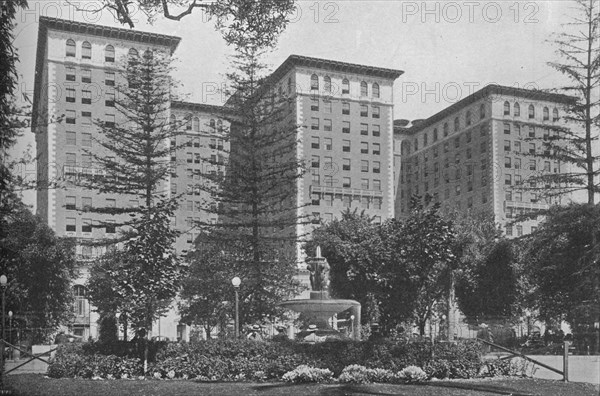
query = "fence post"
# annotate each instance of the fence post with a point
(566, 361)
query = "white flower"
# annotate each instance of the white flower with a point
(171, 374)
(157, 375)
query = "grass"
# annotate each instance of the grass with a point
(37, 385)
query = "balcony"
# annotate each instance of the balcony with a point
(345, 191)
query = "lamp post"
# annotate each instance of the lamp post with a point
(10, 315)
(352, 324)
(3, 283)
(236, 287)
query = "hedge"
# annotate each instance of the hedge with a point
(231, 360)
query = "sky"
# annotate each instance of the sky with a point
(447, 49)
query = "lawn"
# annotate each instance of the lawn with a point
(37, 385)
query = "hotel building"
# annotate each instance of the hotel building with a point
(478, 154)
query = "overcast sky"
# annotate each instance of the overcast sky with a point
(447, 49)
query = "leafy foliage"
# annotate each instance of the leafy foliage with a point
(39, 267)
(563, 260)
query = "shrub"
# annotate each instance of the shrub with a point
(304, 373)
(412, 374)
(360, 375)
(516, 367)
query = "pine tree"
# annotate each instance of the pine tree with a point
(256, 200)
(135, 165)
(573, 145)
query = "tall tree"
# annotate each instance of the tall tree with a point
(39, 267)
(575, 145)
(256, 199)
(564, 262)
(353, 246)
(134, 164)
(420, 257)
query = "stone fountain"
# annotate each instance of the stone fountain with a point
(319, 308)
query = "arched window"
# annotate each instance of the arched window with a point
(446, 129)
(86, 50)
(555, 114)
(531, 111)
(314, 82)
(546, 113)
(109, 53)
(435, 134)
(79, 290)
(482, 111)
(456, 124)
(506, 108)
(212, 123)
(364, 89)
(375, 90)
(517, 110)
(468, 117)
(70, 48)
(416, 144)
(345, 86)
(196, 124)
(289, 88)
(133, 52)
(425, 142)
(327, 84)
(220, 125)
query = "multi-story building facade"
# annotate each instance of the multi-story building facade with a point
(345, 116)
(477, 154)
(346, 111)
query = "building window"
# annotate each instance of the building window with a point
(531, 111)
(70, 203)
(71, 138)
(70, 116)
(446, 129)
(315, 161)
(86, 97)
(109, 79)
(346, 108)
(70, 95)
(507, 145)
(70, 50)
(531, 148)
(314, 82)
(457, 142)
(346, 146)
(375, 111)
(519, 230)
(364, 202)
(507, 162)
(196, 124)
(364, 166)
(71, 225)
(425, 140)
(70, 73)
(508, 180)
(109, 120)
(328, 144)
(110, 228)
(346, 200)
(456, 124)
(314, 124)
(416, 144)
(345, 86)
(364, 129)
(468, 118)
(482, 111)
(327, 105)
(364, 147)
(327, 125)
(532, 165)
(86, 50)
(506, 128)
(327, 84)
(376, 131)
(364, 110)
(314, 142)
(364, 89)
(546, 114)
(377, 205)
(435, 134)
(517, 163)
(364, 184)
(375, 90)
(345, 127)
(109, 99)
(376, 149)
(346, 164)
(506, 108)
(517, 109)
(377, 185)
(87, 225)
(109, 54)
(376, 167)
(314, 104)
(346, 183)
(86, 75)
(555, 114)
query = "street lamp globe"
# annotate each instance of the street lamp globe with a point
(236, 282)
(3, 280)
